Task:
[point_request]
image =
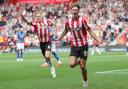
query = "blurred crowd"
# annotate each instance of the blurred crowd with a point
(107, 18)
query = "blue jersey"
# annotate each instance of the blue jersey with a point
(52, 38)
(20, 37)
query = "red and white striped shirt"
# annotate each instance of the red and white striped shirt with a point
(78, 29)
(42, 30)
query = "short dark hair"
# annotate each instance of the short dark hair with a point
(76, 5)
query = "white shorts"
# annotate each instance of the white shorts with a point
(20, 45)
(53, 49)
(127, 44)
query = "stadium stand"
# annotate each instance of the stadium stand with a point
(110, 17)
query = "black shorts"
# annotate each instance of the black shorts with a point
(45, 46)
(81, 51)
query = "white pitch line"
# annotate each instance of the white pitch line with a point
(103, 72)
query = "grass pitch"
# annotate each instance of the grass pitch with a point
(106, 71)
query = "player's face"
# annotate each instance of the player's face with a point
(75, 11)
(38, 15)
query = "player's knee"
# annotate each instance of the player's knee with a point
(72, 65)
(47, 57)
(82, 66)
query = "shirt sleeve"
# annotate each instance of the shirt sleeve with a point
(87, 27)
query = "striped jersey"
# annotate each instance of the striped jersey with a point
(42, 30)
(78, 29)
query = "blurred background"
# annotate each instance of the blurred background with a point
(107, 18)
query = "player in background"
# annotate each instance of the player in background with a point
(78, 28)
(41, 28)
(126, 36)
(53, 43)
(95, 47)
(20, 44)
(90, 44)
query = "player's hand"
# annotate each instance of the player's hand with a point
(102, 43)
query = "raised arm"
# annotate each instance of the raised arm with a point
(29, 23)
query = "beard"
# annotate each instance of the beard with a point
(75, 15)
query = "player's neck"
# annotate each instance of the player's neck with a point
(39, 21)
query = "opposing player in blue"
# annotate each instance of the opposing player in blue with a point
(20, 44)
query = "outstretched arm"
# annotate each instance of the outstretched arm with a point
(29, 23)
(65, 31)
(62, 35)
(91, 32)
(94, 36)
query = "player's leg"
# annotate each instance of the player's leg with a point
(54, 53)
(92, 50)
(73, 61)
(21, 51)
(18, 55)
(59, 63)
(43, 53)
(18, 51)
(48, 57)
(98, 49)
(127, 48)
(73, 57)
(127, 51)
(83, 58)
(0, 49)
(50, 63)
(46, 51)
(84, 72)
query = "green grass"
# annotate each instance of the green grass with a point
(29, 75)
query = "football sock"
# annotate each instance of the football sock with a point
(50, 63)
(18, 54)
